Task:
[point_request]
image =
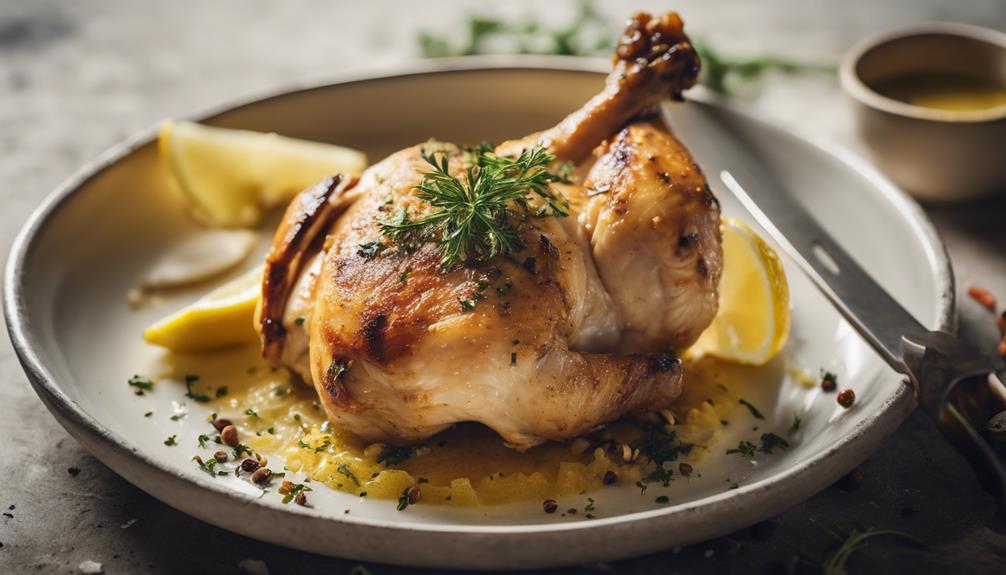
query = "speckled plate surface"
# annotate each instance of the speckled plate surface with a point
(91, 240)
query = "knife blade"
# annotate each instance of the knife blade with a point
(965, 390)
(871, 311)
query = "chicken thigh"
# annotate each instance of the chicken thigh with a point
(577, 326)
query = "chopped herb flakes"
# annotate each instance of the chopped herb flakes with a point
(345, 470)
(148, 414)
(293, 491)
(770, 441)
(796, 424)
(190, 381)
(209, 466)
(172, 440)
(251, 412)
(745, 448)
(754, 410)
(370, 249)
(325, 444)
(660, 447)
(221, 391)
(140, 385)
(392, 456)
(299, 321)
(663, 499)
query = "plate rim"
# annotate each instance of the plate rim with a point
(57, 400)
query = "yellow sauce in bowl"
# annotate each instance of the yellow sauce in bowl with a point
(277, 415)
(944, 92)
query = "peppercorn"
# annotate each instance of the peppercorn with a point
(220, 456)
(261, 476)
(249, 465)
(846, 398)
(220, 424)
(829, 382)
(550, 505)
(229, 435)
(610, 477)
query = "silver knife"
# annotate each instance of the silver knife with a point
(954, 381)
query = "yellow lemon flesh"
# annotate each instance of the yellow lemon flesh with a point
(753, 319)
(231, 177)
(221, 318)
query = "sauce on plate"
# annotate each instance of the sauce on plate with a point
(278, 416)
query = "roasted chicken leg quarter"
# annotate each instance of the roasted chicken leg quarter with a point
(567, 315)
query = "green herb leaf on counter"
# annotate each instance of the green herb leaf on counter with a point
(834, 564)
(171, 440)
(590, 33)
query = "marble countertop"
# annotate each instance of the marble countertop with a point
(77, 77)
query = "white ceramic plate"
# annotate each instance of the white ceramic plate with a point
(91, 240)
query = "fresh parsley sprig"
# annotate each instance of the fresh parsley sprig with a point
(479, 215)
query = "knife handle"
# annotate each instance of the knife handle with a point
(962, 392)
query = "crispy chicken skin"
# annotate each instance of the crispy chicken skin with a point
(576, 329)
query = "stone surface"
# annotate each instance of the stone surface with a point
(77, 77)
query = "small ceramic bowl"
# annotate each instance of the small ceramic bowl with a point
(937, 155)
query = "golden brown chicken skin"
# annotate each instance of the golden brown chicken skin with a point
(576, 328)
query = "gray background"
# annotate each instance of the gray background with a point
(75, 77)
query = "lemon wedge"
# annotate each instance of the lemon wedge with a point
(231, 177)
(221, 318)
(753, 319)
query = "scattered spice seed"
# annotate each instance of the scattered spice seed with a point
(229, 435)
(220, 456)
(249, 465)
(829, 381)
(261, 476)
(982, 296)
(413, 493)
(846, 398)
(550, 506)
(220, 424)
(610, 477)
